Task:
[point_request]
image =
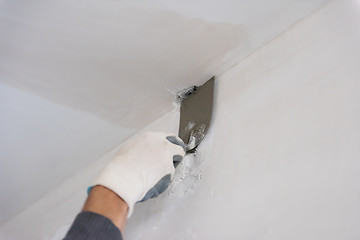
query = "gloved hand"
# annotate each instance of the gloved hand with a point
(143, 168)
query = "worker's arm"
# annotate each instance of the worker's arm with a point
(108, 204)
(141, 170)
(102, 217)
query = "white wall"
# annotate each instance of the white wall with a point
(43, 143)
(280, 160)
(282, 157)
(93, 69)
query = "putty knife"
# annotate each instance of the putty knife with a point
(195, 114)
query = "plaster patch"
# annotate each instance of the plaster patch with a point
(190, 125)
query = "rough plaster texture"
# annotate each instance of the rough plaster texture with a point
(280, 160)
(87, 72)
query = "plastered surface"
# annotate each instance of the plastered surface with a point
(282, 155)
(43, 143)
(81, 76)
(122, 60)
(280, 160)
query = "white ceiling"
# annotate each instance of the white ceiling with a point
(110, 67)
(121, 61)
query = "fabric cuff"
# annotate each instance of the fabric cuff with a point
(90, 225)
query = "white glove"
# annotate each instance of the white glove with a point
(143, 168)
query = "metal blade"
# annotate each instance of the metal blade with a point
(195, 114)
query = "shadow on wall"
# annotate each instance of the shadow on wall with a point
(120, 64)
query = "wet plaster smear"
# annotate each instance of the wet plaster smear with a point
(281, 160)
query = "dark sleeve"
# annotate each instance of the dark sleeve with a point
(91, 226)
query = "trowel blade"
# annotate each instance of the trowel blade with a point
(195, 115)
